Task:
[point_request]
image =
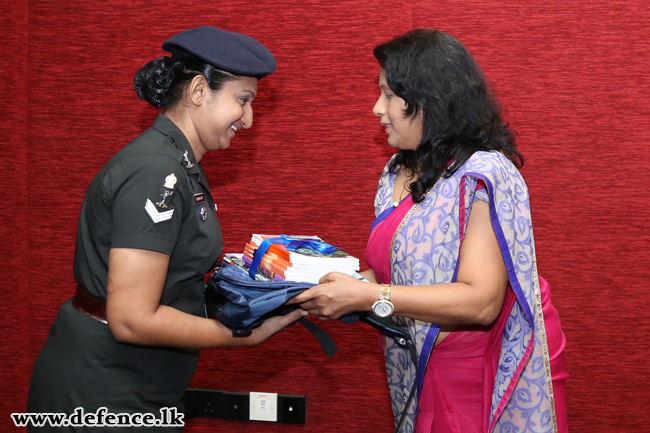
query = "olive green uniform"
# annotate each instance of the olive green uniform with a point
(151, 195)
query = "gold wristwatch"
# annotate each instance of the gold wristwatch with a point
(383, 307)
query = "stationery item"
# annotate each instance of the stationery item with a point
(296, 258)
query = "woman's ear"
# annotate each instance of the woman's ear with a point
(198, 90)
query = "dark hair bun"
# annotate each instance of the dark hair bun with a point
(153, 80)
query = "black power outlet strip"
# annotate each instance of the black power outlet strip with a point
(212, 403)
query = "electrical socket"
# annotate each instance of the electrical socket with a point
(263, 406)
(204, 403)
(236, 406)
(292, 408)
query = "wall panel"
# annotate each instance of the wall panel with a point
(573, 80)
(16, 365)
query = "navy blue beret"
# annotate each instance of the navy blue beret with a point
(232, 52)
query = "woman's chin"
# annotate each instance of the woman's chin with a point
(403, 146)
(393, 143)
(224, 143)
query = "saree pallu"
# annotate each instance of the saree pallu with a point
(425, 250)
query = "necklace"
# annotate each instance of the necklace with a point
(396, 203)
(404, 190)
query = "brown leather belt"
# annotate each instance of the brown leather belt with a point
(89, 304)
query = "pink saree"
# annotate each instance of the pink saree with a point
(459, 382)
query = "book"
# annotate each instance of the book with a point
(243, 263)
(302, 263)
(305, 255)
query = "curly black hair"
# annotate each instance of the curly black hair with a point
(162, 81)
(436, 76)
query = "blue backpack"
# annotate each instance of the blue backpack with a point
(242, 303)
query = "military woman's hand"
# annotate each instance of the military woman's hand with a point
(273, 325)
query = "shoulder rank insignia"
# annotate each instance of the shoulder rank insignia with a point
(170, 184)
(168, 190)
(156, 215)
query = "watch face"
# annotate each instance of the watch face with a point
(383, 308)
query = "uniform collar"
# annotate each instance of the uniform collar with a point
(164, 125)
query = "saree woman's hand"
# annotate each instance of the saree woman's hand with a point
(336, 295)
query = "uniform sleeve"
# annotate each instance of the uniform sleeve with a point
(147, 198)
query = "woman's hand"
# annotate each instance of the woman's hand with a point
(273, 325)
(337, 295)
(135, 284)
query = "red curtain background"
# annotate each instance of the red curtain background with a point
(572, 77)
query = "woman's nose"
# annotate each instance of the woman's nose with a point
(378, 109)
(247, 118)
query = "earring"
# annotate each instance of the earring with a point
(198, 101)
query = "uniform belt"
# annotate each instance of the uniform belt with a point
(89, 304)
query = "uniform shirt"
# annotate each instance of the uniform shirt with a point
(151, 195)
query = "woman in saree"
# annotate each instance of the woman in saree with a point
(452, 254)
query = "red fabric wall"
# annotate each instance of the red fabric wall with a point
(572, 76)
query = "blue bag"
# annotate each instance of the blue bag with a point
(242, 304)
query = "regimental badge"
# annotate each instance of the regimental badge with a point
(186, 157)
(204, 213)
(170, 184)
(170, 181)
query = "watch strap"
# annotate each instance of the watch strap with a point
(384, 293)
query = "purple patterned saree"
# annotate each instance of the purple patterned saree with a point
(424, 250)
